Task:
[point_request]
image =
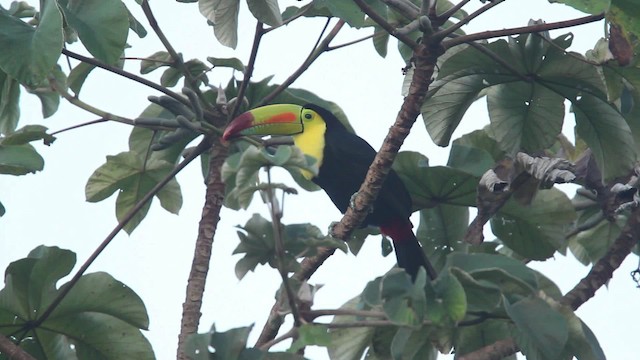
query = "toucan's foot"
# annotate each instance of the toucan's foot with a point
(352, 202)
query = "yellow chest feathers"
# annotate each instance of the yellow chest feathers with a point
(311, 142)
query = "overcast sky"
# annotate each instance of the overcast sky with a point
(49, 207)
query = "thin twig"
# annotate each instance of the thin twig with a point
(84, 106)
(331, 48)
(202, 146)
(248, 72)
(77, 126)
(305, 9)
(288, 335)
(449, 13)
(453, 28)
(384, 24)
(276, 215)
(521, 30)
(313, 56)
(146, 9)
(126, 74)
(313, 314)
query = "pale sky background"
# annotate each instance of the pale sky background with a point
(49, 207)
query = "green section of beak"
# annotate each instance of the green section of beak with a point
(279, 119)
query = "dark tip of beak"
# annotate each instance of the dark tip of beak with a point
(243, 121)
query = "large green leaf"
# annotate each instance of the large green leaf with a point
(30, 52)
(266, 11)
(134, 177)
(588, 6)
(441, 232)
(102, 25)
(349, 343)
(20, 159)
(9, 104)
(223, 14)
(542, 330)
(474, 337)
(431, 186)
(507, 273)
(535, 231)
(524, 116)
(100, 318)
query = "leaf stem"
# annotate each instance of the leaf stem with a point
(451, 29)
(77, 126)
(84, 106)
(248, 72)
(384, 24)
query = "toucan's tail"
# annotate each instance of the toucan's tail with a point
(409, 253)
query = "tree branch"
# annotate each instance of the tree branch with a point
(521, 30)
(12, 351)
(202, 254)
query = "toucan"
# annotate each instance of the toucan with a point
(343, 160)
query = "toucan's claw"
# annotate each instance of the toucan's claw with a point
(352, 202)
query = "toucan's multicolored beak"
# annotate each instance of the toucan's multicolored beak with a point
(279, 119)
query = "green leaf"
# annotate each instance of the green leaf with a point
(171, 76)
(452, 295)
(78, 76)
(431, 186)
(541, 328)
(134, 177)
(102, 25)
(135, 25)
(524, 116)
(347, 11)
(509, 274)
(154, 61)
(380, 41)
(100, 317)
(20, 159)
(223, 14)
(595, 242)
(311, 334)
(607, 133)
(2, 210)
(480, 295)
(474, 337)
(441, 231)
(31, 52)
(266, 11)
(588, 6)
(535, 231)
(472, 160)
(625, 13)
(28, 134)
(9, 104)
(49, 98)
(233, 63)
(409, 344)
(349, 343)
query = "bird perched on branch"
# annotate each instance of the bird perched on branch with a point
(343, 159)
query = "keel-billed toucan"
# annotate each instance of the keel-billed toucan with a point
(343, 159)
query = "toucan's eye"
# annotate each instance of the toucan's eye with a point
(308, 116)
